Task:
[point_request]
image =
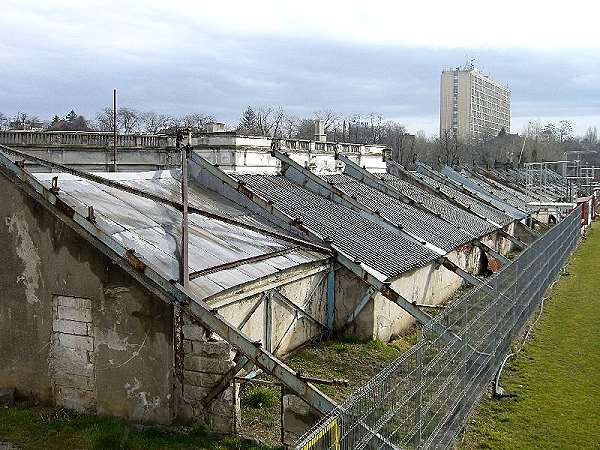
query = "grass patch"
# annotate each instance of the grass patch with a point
(261, 415)
(557, 375)
(262, 397)
(349, 358)
(344, 358)
(29, 426)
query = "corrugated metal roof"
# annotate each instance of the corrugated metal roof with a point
(510, 190)
(153, 230)
(417, 221)
(384, 250)
(459, 217)
(503, 193)
(485, 192)
(479, 207)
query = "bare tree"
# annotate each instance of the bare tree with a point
(329, 117)
(195, 121)
(23, 121)
(128, 120)
(3, 122)
(153, 122)
(104, 120)
(591, 135)
(450, 148)
(290, 126)
(269, 121)
(305, 129)
(375, 120)
(565, 129)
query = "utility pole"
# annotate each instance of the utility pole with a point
(184, 269)
(114, 130)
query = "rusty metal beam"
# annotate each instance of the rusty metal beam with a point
(240, 292)
(241, 262)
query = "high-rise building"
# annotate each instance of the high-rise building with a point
(472, 105)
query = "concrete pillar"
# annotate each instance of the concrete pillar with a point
(297, 417)
(204, 365)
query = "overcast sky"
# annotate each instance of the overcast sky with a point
(353, 56)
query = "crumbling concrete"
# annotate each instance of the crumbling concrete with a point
(205, 364)
(297, 418)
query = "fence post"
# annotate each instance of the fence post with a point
(419, 417)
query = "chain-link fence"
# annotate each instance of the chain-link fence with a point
(423, 398)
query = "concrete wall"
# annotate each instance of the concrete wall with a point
(251, 154)
(74, 328)
(427, 285)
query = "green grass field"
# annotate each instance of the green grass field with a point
(31, 427)
(557, 375)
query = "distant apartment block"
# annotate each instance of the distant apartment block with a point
(472, 105)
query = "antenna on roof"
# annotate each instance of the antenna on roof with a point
(469, 63)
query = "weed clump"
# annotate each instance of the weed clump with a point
(261, 397)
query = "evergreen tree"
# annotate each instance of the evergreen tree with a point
(248, 122)
(71, 116)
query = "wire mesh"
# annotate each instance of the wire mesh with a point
(423, 399)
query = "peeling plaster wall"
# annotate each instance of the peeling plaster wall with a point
(129, 341)
(426, 285)
(349, 291)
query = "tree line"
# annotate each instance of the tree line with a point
(129, 120)
(537, 141)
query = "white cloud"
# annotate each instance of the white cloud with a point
(352, 56)
(146, 25)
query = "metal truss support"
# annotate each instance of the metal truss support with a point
(238, 293)
(359, 306)
(518, 242)
(292, 307)
(367, 274)
(330, 299)
(268, 321)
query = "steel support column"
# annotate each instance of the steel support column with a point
(330, 299)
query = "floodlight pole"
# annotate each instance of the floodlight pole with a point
(114, 130)
(184, 268)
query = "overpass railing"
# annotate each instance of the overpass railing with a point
(80, 139)
(423, 399)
